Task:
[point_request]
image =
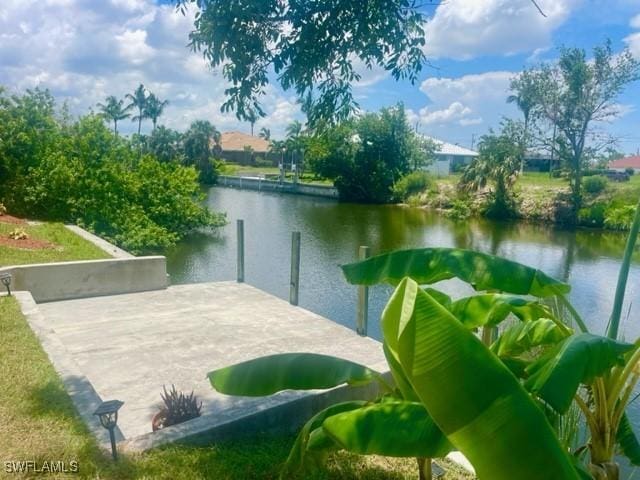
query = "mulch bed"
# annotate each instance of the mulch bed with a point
(26, 244)
(11, 219)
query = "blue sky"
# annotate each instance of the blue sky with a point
(84, 50)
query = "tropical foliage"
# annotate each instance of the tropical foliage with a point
(497, 166)
(367, 155)
(84, 173)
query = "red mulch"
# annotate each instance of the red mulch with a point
(26, 244)
(11, 219)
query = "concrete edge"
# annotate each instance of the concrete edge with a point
(284, 418)
(84, 397)
(99, 242)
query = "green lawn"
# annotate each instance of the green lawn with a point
(67, 245)
(38, 422)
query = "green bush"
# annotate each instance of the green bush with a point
(619, 218)
(595, 184)
(85, 174)
(592, 216)
(460, 210)
(412, 184)
(629, 171)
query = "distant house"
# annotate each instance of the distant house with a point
(622, 164)
(244, 149)
(449, 158)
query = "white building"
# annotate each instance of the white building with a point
(449, 158)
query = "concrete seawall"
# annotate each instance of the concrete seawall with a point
(259, 184)
(89, 278)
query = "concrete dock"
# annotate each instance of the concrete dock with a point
(128, 346)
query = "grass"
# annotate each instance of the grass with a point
(68, 245)
(236, 170)
(38, 422)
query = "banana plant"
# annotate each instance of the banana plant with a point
(397, 423)
(597, 373)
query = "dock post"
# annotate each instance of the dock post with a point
(294, 286)
(240, 268)
(362, 318)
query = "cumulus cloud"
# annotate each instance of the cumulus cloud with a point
(633, 40)
(459, 104)
(464, 29)
(83, 50)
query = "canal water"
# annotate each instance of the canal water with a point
(331, 233)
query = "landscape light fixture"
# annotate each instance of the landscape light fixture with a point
(5, 278)
(108, 414)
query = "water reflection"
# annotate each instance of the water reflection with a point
(332, 233)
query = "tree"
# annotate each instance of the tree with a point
(114, 110)
(497, 165)
(311, 46)
(153, 108)
(524, 100)
(165, 144)
(139, 101)
(265, 133)
(198, 144)
(365, 156)
(574, 94)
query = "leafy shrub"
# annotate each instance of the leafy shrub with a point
(619, 218)
(629, 171)
(179, 407)
(590, 172)
(412, 184)
(592, 216)
(594, 185)
(83, 173)
(263, 162)
(460, 210)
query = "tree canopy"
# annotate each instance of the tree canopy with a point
(312, 47)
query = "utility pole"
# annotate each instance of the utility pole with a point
(473, 140)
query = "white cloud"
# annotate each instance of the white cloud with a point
(635, 21)
(464, 29)
(457, 105)
(83, 50)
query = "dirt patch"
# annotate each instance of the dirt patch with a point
(11, 219)
(26, 244)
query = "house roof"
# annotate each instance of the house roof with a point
(447, 148)
(627, 162)
(236, 141)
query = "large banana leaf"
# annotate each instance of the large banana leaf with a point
(431, 265)
(288, 371)
(628, 441)
(400, 379)
(555, 377)
(298, 453)
(492, 308)
(523, 336)
(392, 429)
(473, 398)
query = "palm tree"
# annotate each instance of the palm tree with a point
(139, 101)
(265, 133)
(114, 110)
(294, 129)
(154, 108)
(523, 99)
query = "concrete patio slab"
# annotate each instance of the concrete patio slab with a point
(128, 346)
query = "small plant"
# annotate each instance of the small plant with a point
(629, 171)
(412, 184)
(619, 218)
(178, 408)
(595, 185)
(18, 234)
(3, 209)
(460, 210)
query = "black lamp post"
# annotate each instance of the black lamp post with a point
(5, 278)
(108, 414)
